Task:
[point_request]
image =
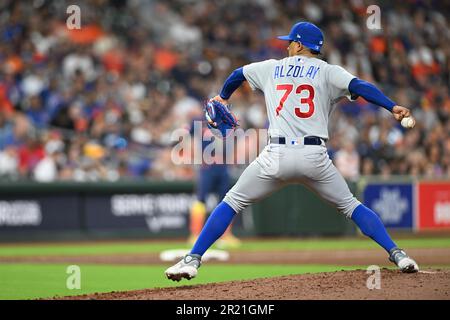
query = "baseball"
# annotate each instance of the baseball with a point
(408, 122)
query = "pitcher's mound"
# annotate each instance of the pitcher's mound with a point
(429, 284)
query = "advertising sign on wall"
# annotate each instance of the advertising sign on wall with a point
(153, 212)
(38, 213)
(434, 205)
(394, 203)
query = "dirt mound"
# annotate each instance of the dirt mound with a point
(430, 284)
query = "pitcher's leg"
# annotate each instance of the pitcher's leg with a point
(332, 187)
(215, 226)
(329, 184)
(252, 185)
(372, 226)
(228, 239)
(255, 183)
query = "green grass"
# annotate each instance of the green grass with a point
(137, 247)
(28, 281)
(35, 280)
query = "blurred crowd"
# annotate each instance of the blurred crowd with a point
(101, 103)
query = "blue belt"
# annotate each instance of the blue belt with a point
(310, 140)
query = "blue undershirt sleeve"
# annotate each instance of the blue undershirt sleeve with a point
(232, 83)
(370, 92)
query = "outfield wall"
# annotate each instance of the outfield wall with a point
(405, 203)
(161, 209)
(80, 210)
(148, 209)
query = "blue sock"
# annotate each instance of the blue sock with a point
(372, 226)
(215, 226)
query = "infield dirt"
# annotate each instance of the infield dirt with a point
(429, 284)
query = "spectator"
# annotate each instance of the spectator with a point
(347, 161)
(46, 170)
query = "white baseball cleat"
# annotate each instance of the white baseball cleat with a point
(403, 262)
(186, 268)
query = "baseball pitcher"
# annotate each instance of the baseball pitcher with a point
(300, 93)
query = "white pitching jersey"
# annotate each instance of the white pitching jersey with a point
(300, 93)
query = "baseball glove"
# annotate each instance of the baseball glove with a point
(220, 120)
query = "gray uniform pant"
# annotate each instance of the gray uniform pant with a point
(280, 165)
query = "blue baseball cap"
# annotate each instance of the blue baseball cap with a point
(307, 33)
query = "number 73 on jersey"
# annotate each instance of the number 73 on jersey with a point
(288, 88)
